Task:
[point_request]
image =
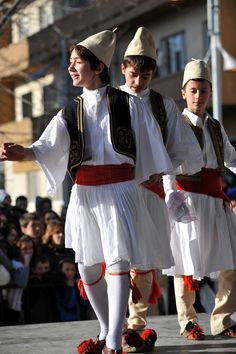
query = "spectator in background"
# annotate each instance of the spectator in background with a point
(5, 278)
(50, 216)
(43, 205)
(53, 244)
(31, 226)
(22, 258)
(20, 206)
(3, 223)
(12, 235)
(70, 304)
(5, 199)
(39, 296)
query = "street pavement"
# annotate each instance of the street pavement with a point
(63, 338)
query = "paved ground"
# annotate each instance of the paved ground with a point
(62, 338)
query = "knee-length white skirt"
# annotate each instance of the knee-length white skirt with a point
(207, 244)
(112, 222)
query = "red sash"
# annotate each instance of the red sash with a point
(103, 174)
(155, 188)
(210, 183)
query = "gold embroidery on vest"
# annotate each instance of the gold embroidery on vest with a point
(77, 145)
(121, 136)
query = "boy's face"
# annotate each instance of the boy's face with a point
(81, 73)
(26, 248)
(136, 81)
(197, 95)
(32, 229)
(69, 270)
(41, 268)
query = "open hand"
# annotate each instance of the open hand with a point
(11, 152)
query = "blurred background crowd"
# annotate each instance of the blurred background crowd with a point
(38, 276)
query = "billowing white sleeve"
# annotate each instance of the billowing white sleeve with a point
(229, 152)
(151, 154)
(52, 152)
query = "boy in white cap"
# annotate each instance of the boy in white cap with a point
(139, 67)
(108, 141)
(207, 244)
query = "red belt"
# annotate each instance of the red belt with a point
(210, 184)
(103, 174)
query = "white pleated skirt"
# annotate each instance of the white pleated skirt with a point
(112, 223)
(207, 245)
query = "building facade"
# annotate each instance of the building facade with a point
(34, 58)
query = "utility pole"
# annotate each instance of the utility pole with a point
(213, 11)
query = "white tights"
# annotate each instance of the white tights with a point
(108, 299)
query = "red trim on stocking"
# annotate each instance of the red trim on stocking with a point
(81, 284)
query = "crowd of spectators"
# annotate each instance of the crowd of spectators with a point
(38, 276)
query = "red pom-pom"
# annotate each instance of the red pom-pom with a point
(149, 335)
(82, 290)
(87, 347)
(132, 339)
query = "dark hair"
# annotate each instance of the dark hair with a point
(201, 80)
(65, 260)
(86, 55)
(21, 198)
(140, 62)
(27, 217)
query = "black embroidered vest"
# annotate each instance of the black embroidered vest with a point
(218, 144)
(159, 111)
(120, 127)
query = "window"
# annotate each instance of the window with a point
(172, 56)
(27, 105)
(46, 15)
(23, 26)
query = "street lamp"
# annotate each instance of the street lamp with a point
(213, 10)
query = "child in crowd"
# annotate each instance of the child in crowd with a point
(39, 296)
(22, 259)
(53, 244)
(71, 306)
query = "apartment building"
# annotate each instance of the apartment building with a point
(34, 82)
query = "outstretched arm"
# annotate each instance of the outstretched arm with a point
(15, 152)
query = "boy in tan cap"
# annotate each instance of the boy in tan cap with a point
(207, 244)
(139, 67)
(108, 141)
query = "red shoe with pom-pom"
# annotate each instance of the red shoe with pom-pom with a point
(133, 342)
(89, 346)
(193, 331)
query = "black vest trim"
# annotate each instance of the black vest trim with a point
(218, 144)
(120, 122)
(159, 111)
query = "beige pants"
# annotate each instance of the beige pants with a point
(138, 312)
(225, 303)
